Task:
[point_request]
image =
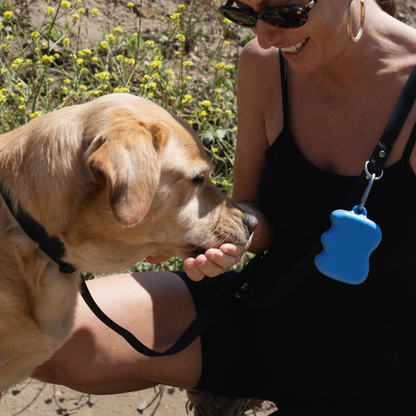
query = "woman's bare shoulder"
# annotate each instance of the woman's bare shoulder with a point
(257, 58)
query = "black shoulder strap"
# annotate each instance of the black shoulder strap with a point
(285, 93)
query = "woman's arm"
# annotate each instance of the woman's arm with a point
(252, 143)
(258, 85)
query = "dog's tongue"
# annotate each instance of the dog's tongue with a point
(156, 259)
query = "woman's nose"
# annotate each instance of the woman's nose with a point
(267, 35)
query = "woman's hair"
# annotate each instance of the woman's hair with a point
(389, 6)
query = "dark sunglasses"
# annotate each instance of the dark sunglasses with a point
(285, 17)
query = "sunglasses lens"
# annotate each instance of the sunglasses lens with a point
(239, 17)
(285, 17)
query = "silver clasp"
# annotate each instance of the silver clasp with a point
(371, 177)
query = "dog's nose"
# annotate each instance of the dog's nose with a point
(250, 222)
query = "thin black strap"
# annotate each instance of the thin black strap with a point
(190, 334)
(285, 93)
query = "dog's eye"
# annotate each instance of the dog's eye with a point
(198, 180)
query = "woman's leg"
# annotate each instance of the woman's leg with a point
(156, 307)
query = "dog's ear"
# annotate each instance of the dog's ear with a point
(126, 159)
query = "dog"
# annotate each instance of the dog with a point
(116, 180)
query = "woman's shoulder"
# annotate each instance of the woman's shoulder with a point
(259, 68)
(256, 57)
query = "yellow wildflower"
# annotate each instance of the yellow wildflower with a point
(47, 59)
(50, 10)
(226, 43)
(175, 17)
(153, 85)
(50, 79)
(130, 4)
(118, 29)
(181, 7)
(66, 41)
(97, 92)
(111, 37)
(82, 87)
(229, 112)
(104, 44)
(22, 107)
(225, 182)
(206, 103)
(4, 71)
(180, 37)
(155, 64)
(95, 11)
(220, 65)
(150, 42)
(67, 81)
(169, 72)
(227, 67)
(187, 63)
(203, 113)
(75, 16)
(81, 10)
(8, 14)
(119, 57)
(9, 38)
(218, 110)
(66, 4)
(187, 99)
(56, 55)
(34, 115)
(214, 150)
(87, 51)
(80, 54)
(80, 61)
(102, 75)
(227, 22)
(94, 59)
(18, 61)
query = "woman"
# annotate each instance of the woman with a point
(329, 348)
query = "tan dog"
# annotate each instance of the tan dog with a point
(117, 180)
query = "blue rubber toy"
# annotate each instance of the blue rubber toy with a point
(347, 246)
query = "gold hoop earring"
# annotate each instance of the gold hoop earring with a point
(349, 24)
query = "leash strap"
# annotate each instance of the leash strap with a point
(190, 334)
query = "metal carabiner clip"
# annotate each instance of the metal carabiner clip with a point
(371, 177)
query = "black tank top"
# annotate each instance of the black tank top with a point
(332, 336)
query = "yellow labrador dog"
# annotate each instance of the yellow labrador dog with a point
(115, 180)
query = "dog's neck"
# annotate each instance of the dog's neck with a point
(52, 246)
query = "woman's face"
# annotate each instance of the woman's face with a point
(322, 38)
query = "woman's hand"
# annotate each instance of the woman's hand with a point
(215, 261)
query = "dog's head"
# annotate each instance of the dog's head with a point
(136, 185)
